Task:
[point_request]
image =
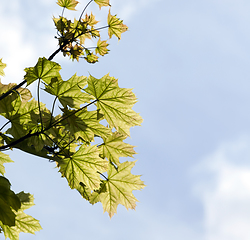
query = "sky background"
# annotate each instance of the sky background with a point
(188, 63)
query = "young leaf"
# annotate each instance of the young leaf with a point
(85, 124)
(102, 3)
(114, 147)
(4, 158)
(90, 19)
(69, 92)
(83, 167)
(116, 26)
(91, 58)
(119, 187)
(27, 224)
(2, 66)
(114, 103)
(69, 4)
(44, 70)
(102, 47)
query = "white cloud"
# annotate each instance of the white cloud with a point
(225, 191)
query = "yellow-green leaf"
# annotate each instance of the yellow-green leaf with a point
(113, 148)
(102, 47)
(4, 158)
(119, 186)
(116, 26)
(44, 70)
(83, 167)
(2, 66)
(69, 4)
(115, 103)
(102, 3)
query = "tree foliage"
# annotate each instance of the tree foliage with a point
(68, 139)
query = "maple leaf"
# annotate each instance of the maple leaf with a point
(83, 166)
(85, 124)
(23, 222)
(4, 158)
(9, 201)
(102, 47)
(69, 92)
(102, 3)
(90, 19)
(2, 66)
(116, 26)
(69, 4)
(90, 57)
(114, 147)
(10, 105)
(25, 118)
(118, 190)
(114, 103)
(44, 69)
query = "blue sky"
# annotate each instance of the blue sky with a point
(188, 63)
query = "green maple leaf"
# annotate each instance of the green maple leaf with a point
(4, 158)
(26, 118)
(2, 66)
(116, 26)
(90, 19)
(10, 105)
(69, 4)
(44, 70)
(83, 167)
(102, 3)
(9, 202)
(118, 190)
(113, 148)
(85, 124)
(69, 92)
(23, 222)
(102, 47)
(90, 57)
(114, 103)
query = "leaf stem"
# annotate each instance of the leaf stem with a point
(38, 98)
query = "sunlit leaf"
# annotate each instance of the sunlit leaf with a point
(114, 103)
(85, 124)
(4, 158)
(69, 92)
(69, 4)
(44, 70)
(102, 47)
(116, 26)
(113, 148)
(83, 167)
(102, 3)
(119, 186)
(2, 66)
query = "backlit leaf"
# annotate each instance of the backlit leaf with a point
(114, 103)
(4, 158)
(85, 124)
(116, 26)
(119, 186)
(69, 4)
(83, 167)
(113, 148)
(44, 70)
(2, 66)
(69, 92)
(102, 3)
(102, 47)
